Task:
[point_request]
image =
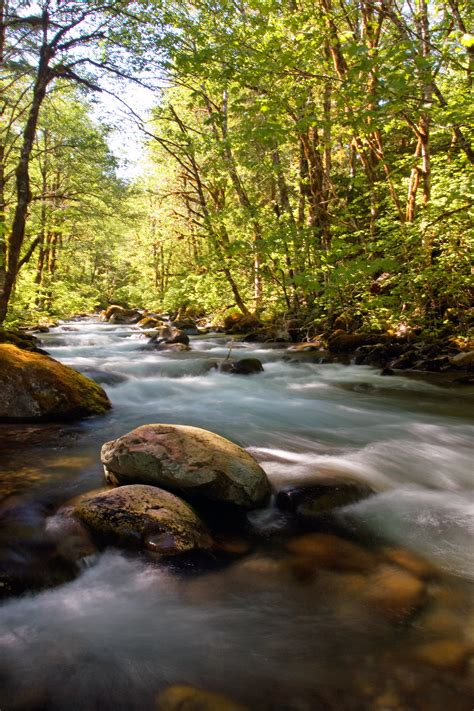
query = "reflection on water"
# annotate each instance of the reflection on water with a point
(270, 630)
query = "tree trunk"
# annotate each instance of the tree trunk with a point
(17, 235)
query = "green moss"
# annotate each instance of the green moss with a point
(49, 389)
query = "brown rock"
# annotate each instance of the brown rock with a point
(146, 515)
(125, 316)
(37, 387)
(464, 359)
(111, 310)
(445, 654)
(331, 552)
(342, 342)
(232, 545)
(184, 697)
(394, 592)
(420, 567)
(150, 322)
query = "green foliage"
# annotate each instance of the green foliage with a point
(279, 160)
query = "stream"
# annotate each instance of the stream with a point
(123, 627)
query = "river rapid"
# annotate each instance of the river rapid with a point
(127, 625)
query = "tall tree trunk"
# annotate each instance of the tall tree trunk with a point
(3, 224)
(22, 174)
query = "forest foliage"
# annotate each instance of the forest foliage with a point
(303, 158)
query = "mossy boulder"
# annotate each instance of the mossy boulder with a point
(144, 515)
(35, 387)
(189, 461)
(21, 340)
(121, 314)
(150, 322)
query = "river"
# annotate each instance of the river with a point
(126, 626)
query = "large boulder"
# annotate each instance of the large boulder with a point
(35, 387)
(20, 339)
(187, 460)
(126, 316)
(144, 515)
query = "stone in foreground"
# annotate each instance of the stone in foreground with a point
(35, 387)
(187, 460)
(146, 515)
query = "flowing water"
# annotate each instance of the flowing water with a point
(126, 625)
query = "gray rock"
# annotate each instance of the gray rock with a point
(187, 460)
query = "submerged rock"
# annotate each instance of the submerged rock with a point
(244, 366)
(309, 502)
(445, 654)
(146, 515)
(187, 460)
(184, 697)
(394, 592)
(37, 387)
(321, 550)
(420, 567)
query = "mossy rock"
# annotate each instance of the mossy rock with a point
(20, 340)
(144, 515)
(35, 387)
(150, 322)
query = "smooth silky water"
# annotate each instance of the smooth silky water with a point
(128, 625)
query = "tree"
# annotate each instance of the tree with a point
(61, 40)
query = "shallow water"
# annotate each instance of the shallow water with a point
(127, 626)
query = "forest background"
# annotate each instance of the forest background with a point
(304, 159)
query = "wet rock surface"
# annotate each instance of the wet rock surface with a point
(36, 387)
(309, 503)
(244, 366)
(187, 460)
(144, 515)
